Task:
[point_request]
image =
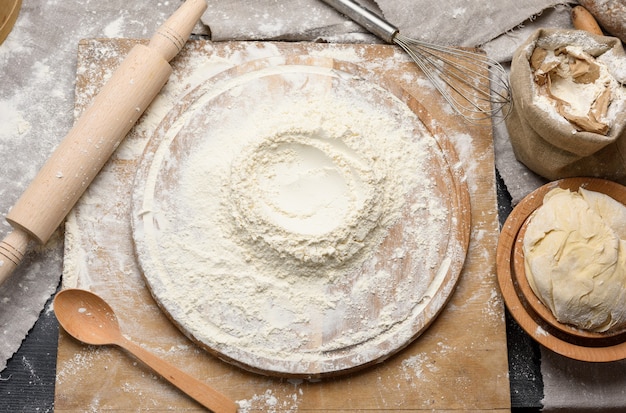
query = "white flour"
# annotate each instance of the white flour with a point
(264, 227)
(570, 97)
(13, 122)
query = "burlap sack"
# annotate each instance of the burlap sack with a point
(550, 145)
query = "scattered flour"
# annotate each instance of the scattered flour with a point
(263, 225)
(270, 402)
(113, 29)
(13, 122)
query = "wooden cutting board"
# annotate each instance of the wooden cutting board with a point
(458, 363)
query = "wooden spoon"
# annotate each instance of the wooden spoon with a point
(88, 318)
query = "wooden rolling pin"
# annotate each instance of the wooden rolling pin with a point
(583, 20)
(95, 135)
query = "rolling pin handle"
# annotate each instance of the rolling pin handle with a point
(172, 35)
(582, 19)
(12, 250)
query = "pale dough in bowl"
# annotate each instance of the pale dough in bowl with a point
(575, 258)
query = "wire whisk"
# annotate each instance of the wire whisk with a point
(475, 85)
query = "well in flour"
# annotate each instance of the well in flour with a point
(290, 229)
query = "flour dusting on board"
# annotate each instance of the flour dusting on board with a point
(270, 402)
(276, 250)
(102, 248)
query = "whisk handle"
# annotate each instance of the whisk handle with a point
(366, 18)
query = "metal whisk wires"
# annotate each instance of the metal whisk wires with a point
(474, 85)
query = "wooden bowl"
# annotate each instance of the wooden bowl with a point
(526, 308)
(9, 9)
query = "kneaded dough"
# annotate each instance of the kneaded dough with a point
(575, 258)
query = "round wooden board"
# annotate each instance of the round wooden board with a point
(352, 335)
(9, 10)
(560, 339)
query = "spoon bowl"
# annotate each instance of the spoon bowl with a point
(88, 318)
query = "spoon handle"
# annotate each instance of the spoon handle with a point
(199, 391)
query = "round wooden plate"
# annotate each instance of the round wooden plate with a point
(362, 327)
(9, 10)
(525, 307)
